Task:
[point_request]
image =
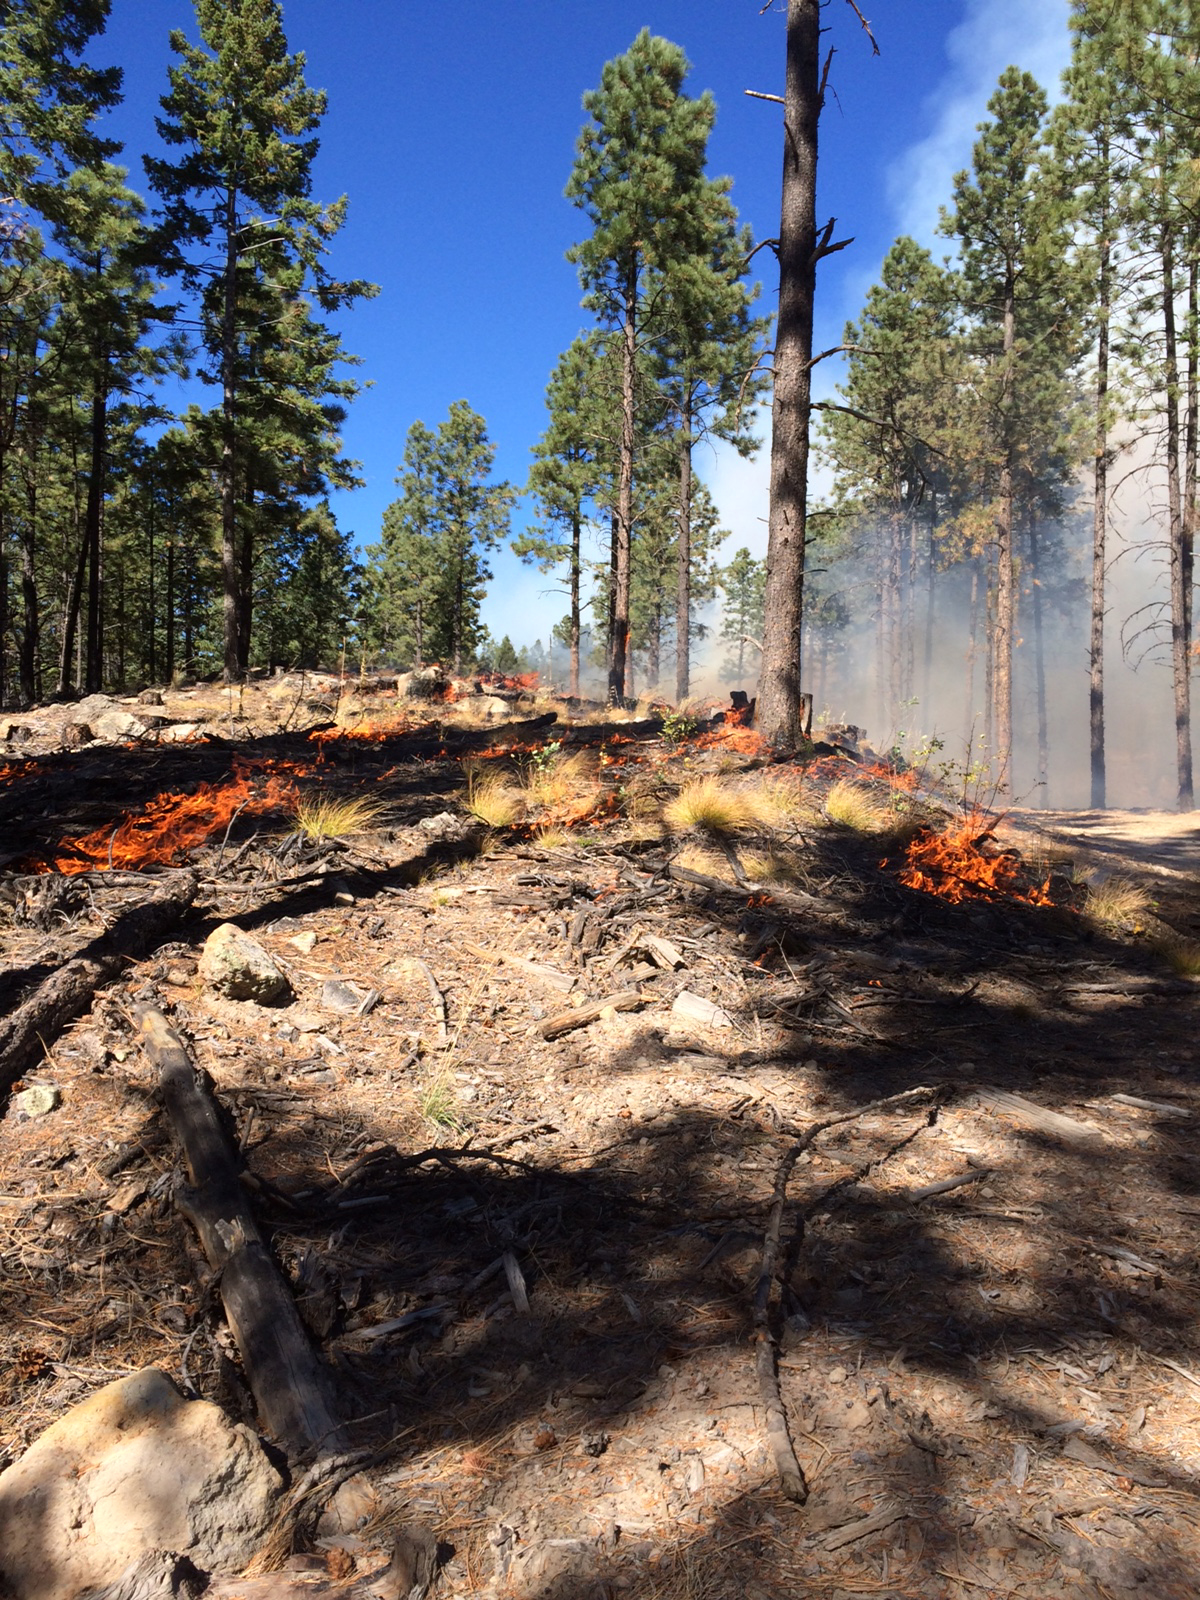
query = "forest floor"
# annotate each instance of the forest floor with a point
(543, 1325)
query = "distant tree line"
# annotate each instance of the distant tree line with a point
(989, 398)
(135, 544)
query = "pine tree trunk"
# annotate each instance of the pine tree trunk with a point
(624, 518)
(1039, 654)
(778, 712)
(683, 600)
(93, 518)
(576, 540)
(169, 617)
(1178, 528)
(1005, 614)
(1099, 794)
(28, 649)
(245, 584)
(151, 619)
(229, 561)
(927, 663)
(71, 616)
(972, 645)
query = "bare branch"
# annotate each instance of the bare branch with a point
(756, 94)
(824, 80)
(866, 26)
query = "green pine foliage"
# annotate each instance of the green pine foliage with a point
(427, 576)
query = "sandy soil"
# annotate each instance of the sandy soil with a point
(985, 1318)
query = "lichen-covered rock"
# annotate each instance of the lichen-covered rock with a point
(236, 965)
(133, 1469)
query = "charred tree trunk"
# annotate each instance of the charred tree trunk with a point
(779, 711)
(1039, 662)
(169, 615)
(1004, 625)
(93, 524)
(576, 540)
(1099, 791)
(623, 525)
(683, 598)
(229, 553)
(1178, 529)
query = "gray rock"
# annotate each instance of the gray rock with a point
(118, 724)
(426, 683)
(38, 1100)
(236, 965)
(150, 697)
(76, 733)
(133, 1469)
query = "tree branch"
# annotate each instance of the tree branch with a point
(866, 26)
(756, 94)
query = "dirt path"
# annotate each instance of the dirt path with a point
(1162, 842)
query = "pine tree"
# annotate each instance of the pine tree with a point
(639, 177)
(1011, 226)
(742, 583)
(567, 472)
(799, 248)
(240, 111)
(427, 576)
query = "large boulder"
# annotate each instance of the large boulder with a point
(236, 965)
(133, 1469)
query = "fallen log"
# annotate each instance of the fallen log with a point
(554, 1027)
(291, 1387)
(68, 992)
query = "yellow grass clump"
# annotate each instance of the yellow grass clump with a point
(558, 784)
(491, 798)
(851, 806)
(1116, 902)
(709, 806)
(328, 816)
(780, 804)
(1181, 955)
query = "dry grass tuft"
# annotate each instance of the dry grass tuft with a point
(1181, 955)
(562, 782)
(710, 806)
(490, 797)
(1117, 902)
(851, 806)
(780, 803)
(438, 1101)
(326, 816)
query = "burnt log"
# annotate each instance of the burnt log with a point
(67, 993)
(292, 1388)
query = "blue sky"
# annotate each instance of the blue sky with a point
(452, 130)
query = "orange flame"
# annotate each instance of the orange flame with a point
(958, 865)
(172, 824)
(898, 779)
(733, 736)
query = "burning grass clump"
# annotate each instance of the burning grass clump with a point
(1116, 902)
(328, 816)
(490, 797)
(706, 805)
(964, 863)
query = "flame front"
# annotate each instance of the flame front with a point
(172, 824)
(957, 866)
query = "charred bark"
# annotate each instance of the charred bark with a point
(779, 684)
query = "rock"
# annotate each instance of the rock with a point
(150, 697)
(180, 732)
(491, 706)
(38, 1100)
(304, 942)
(17, 733)
(117, 724)
(76, 733)
(93, 706)
(427, 683)
(445, 825)
(236, 965)
(695, 1008)
(348, 999)
(132, 1470)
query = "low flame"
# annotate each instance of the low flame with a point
(897, 778)
(172, 824)
(730, 735)
(963, 864)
